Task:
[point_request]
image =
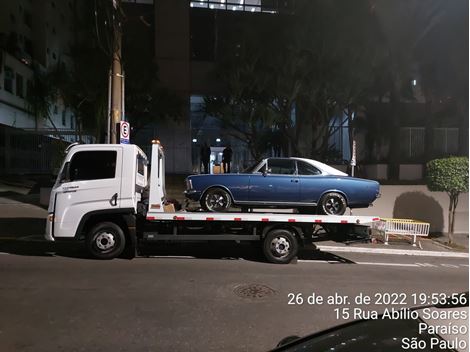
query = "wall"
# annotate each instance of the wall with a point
(417, 202)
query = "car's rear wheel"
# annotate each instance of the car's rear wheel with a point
(216, 199)
(333, 203)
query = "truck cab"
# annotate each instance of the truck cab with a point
(95, 179)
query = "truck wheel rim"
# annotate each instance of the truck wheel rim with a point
(280, 247)
(105, 241)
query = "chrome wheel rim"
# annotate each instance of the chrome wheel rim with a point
(217, 201)
(333, 205)
(280, 247)
(105, 241)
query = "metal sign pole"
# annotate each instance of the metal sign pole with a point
(353, 157)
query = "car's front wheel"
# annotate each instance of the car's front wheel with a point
(216, 199)
(333, 203)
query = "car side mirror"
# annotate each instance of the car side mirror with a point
(266, 172)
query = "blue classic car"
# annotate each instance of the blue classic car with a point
(308, 185)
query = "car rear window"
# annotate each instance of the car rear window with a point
(307, 169)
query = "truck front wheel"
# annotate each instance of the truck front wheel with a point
(105, 240)
(280, 246)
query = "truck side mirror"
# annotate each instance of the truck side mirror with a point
(65, 175)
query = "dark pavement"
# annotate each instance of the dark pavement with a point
(54, 303)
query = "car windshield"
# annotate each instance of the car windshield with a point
(252, 168)
(371, 335)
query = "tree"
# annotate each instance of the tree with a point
(41, 93)
(292, 73)
(147, 100)
(449, 175)
(399, 62)
(243, 106)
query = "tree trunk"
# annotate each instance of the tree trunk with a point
(450, 228)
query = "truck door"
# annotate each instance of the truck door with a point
(92, 182)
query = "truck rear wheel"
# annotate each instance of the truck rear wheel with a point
(280, 246)
(105, 240)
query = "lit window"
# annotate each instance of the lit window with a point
(235, 5)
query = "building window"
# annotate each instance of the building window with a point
(446, 141)
(19, 86)
(29, 88)
(8, 79)
(27, 18)
(243, 5)
(28, 46)
(412, 142)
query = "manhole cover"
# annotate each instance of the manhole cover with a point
(253, 291)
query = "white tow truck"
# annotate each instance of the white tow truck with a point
(103, 195)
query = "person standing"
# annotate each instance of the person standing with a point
(227, 159)
(205, 155)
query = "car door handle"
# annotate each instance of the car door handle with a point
(113, 200)
(296, 181)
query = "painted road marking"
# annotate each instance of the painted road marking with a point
(412, 265)
(410, 252)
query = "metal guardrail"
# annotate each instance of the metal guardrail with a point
(401, 227)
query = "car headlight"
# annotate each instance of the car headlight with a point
(189, 184)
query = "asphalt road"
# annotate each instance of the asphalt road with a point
(171, 301)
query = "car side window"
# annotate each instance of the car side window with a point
(281, 166)
(307, 169)
(93, 165)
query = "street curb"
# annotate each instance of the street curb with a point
(442, 245)
(392, 251)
